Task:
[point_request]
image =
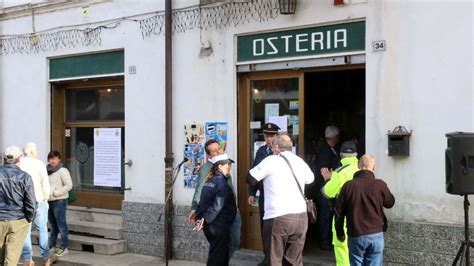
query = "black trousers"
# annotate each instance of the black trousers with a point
(218, 238)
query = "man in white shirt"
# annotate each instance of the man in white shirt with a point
(285, 219)
(37, 170)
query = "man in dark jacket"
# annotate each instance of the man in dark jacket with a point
(362, 201)
(17, 206)
(327, 157)
(269, 132)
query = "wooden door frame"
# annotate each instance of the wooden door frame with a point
(105, 200)
(243, 122)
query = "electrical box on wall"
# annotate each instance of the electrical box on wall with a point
(399, 142)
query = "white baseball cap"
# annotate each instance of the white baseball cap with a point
(13, 152)
(221, 159)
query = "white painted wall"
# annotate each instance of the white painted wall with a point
(423, 82)
(26, 102)
(11, 3)
(216, 79)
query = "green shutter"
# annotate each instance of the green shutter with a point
(87, 65)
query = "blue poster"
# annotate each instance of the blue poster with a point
(196, 156)
(217, 131)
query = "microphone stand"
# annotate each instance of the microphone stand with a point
(168, 197)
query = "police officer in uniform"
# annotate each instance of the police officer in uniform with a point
(269, 132)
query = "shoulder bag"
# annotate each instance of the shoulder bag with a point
(310, 206)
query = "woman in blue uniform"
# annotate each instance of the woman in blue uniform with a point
(218, 208)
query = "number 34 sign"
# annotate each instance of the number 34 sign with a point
(379, 46)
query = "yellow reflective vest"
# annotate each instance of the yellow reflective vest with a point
(340, 176)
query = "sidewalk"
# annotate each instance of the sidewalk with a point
(240, 258)
(80, 258)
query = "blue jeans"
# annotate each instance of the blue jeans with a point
(57, 219)
(234, 243)
(366, 250)
(40, 223)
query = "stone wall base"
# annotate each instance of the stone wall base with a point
(143, 228)
(405, 243)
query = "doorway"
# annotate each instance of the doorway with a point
(332, 97)
(311, 99)
(82, 109)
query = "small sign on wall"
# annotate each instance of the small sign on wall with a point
(379, 46)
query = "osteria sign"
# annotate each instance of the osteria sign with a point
(304, 42)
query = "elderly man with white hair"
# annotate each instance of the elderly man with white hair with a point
(327, 157)
(37, 170)
(285, 220)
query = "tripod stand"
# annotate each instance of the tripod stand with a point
(168, 207)
(465, 249)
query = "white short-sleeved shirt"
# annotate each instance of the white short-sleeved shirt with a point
(282, 196)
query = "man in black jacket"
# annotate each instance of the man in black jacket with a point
(362, 201)
(17, 206)
(327, 157)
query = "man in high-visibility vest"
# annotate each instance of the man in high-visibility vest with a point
(334, 182)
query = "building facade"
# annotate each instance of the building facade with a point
(69, 69)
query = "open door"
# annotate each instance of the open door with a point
(265, 97)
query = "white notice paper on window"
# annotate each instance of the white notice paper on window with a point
(107, 157)
(255, 125)
(280, 121)
(271, 109)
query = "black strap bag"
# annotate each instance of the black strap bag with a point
(310, 206)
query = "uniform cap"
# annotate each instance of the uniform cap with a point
(221, 159)
(270, 128)
(13, 152)
(348, 147)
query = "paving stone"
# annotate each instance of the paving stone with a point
(192, 255)
(146, 249)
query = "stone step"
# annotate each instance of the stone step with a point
(82, 258)
(109, 231)
(90, 244)
(77, 213)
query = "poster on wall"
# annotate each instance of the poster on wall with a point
(196, 156)
(107, 157)
(217, 131)
(194, 134)
(294, 121)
